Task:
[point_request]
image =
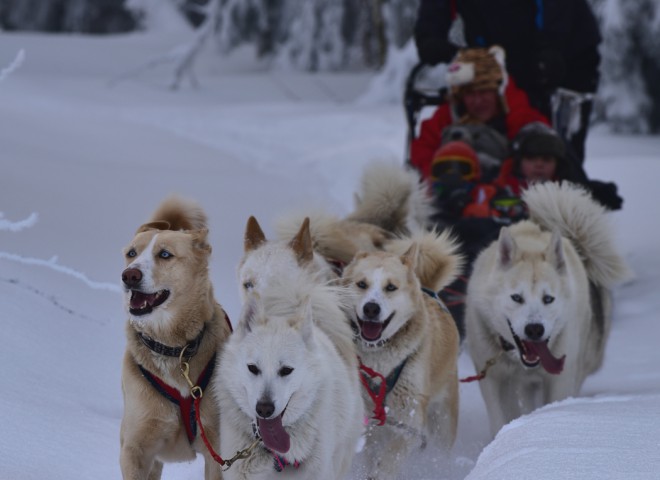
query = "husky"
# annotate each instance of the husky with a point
(283, 381)
(268, 263)
(538, 305)
(408, 344)
(391, 202)
(173, 319)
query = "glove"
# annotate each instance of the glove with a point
(435, 50)
(550, 68)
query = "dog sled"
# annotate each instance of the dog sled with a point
(424, 89)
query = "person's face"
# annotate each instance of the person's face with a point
(482, 105)
(538, 168)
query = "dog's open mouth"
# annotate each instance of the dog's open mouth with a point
(273, 435)
(372, 331)
(142, 303)
(534, 353)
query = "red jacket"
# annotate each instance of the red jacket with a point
(424, 146)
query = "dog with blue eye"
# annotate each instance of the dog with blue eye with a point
(174, 322)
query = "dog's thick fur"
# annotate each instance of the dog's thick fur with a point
(268, 263)
(168, 254)
(397, 322)
(291, 317)
(537, 294)
(391, 202)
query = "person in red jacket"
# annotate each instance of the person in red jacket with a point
(481, 92)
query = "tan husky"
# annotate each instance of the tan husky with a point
(172, 318)
(408, 344)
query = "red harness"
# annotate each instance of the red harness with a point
(186, 404)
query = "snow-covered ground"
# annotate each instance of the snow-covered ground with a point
(84, 161)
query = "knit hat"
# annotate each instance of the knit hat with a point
(456, 159)
(538, 140)
(478, 69)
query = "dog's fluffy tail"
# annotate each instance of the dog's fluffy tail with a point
(392, 198)
(333, 238)
(570, 209)
(181, 214)
(438, 261)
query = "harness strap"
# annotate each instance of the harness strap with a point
(434, 296)
(378, 393)
(187, 405)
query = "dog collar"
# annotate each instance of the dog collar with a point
(186, 404)
(162, 349)
(191, 348)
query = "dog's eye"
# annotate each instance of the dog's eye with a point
(517, 298)
(254, 370)
(165, 254)
(284, 371)
(548, 299)
(131, 253)
(390, 287)
(362, 284)
(248, 285)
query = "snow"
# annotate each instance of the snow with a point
(86, 161)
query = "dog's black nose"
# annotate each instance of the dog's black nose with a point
(265, 408)
(131, 277)
(534, 331)
(371, 310)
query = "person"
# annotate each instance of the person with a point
(481, 92)
(539, 155)
(549, 44)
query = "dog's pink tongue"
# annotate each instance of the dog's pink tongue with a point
(551, 363)
(273, 434)
(371, 330)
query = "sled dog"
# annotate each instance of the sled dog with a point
(408, 344)
(269, 263)
(539, 302)
(172, 318)
(283, 381)
(391, 202)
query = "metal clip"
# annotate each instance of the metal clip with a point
(195, 390)
(240, 455)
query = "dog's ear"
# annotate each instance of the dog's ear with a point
(302, 244)
(506, 248)
(200, 240)
(159, 225)
(411, 256)
(254, 235)
(555, 252)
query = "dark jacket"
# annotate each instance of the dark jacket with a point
(563, 35)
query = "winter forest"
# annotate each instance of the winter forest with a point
(349, 35)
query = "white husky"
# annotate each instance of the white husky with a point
(538, 303)
(282, 379)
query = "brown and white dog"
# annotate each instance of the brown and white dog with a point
(173, 317)
(409, 342)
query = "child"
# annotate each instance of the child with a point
(539, 155)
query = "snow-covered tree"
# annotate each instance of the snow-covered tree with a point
(87, 16)
(629, 93)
